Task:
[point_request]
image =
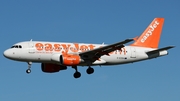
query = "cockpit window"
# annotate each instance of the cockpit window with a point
(16, 46)
(12, 46)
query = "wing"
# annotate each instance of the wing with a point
(93, 55)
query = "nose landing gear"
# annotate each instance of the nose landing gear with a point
(29, 66)
(28, 71)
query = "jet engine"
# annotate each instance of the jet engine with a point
(70, 60)
(52, 68)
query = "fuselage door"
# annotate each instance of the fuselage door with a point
(31, 47)
(133, 52)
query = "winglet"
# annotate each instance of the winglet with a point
(151, 36)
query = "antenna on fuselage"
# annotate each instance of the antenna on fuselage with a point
(31, 40)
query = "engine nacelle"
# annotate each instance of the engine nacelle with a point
(70, 60)
(52, 68)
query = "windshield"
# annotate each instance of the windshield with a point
(16, 46)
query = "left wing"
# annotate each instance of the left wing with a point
(93, 55)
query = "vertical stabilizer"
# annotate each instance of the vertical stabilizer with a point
(151, 36)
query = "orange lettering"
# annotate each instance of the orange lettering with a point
(57, 47)
(66, 48)
(39, 46)
(48, 47)
(91, 47)
(124, 51)
(84, 48)
(120, 51)
(76, 48)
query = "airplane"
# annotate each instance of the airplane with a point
(57, 56)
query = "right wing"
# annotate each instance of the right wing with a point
(93, 55)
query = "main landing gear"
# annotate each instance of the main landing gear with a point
(29, 66)
(90, 70)
(78, 74)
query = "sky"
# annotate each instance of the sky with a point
(89, 21)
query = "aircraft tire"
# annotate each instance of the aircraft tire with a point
(90, 70)
(77, 74)
(28, 71)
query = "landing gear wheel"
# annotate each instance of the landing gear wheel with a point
(90, 70)
(77, 74)
(28, 71)
(29, 66)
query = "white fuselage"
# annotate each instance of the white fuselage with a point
(42, 52)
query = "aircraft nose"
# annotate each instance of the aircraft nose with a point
(6, 53)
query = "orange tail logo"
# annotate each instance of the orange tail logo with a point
(151, 36)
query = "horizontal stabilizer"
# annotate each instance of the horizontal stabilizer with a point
(160, 49)
(158, 52)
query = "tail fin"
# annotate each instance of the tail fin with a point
(151, 36)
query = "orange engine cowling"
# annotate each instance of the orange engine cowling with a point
(51, 68)
(70, 60)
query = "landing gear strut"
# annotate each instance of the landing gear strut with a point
(29, 66)
(76, 74)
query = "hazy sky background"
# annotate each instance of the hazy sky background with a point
(89, 21)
